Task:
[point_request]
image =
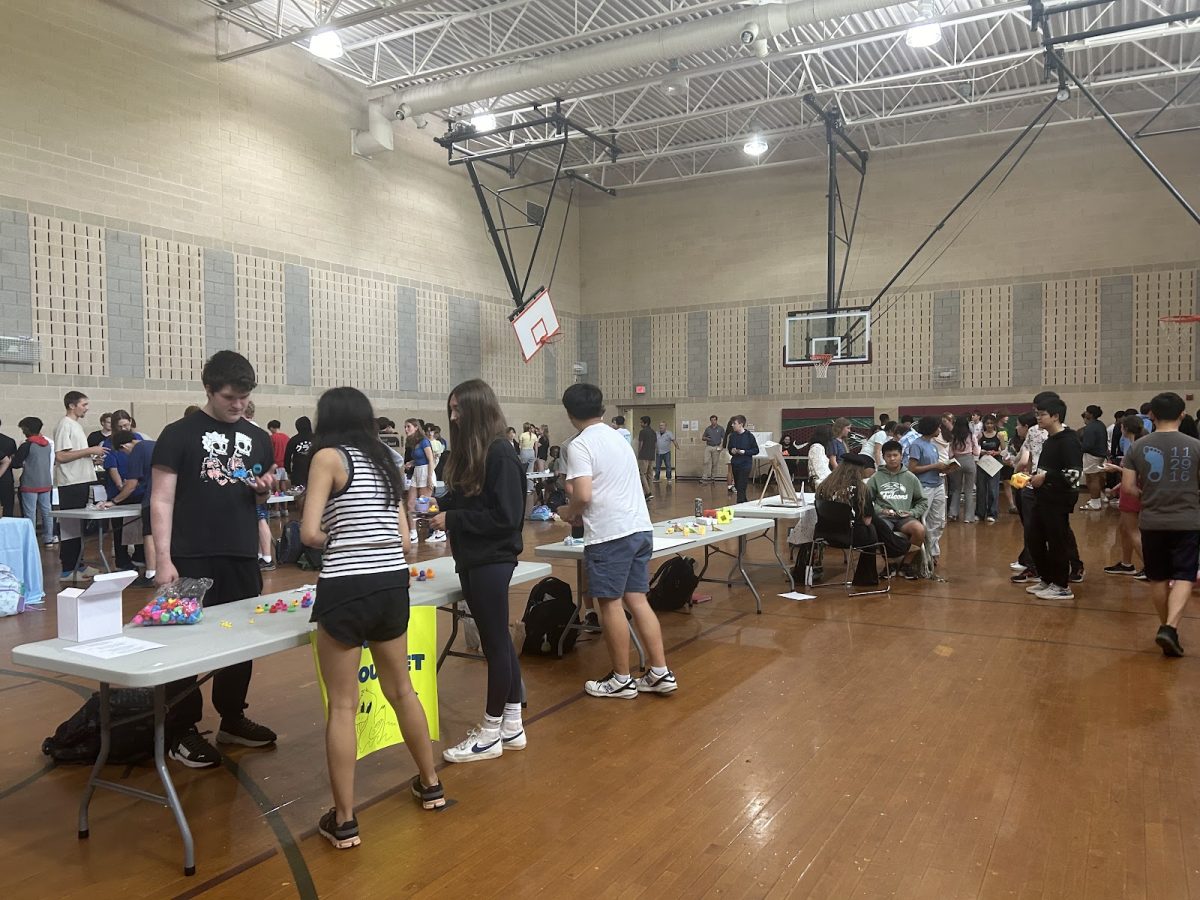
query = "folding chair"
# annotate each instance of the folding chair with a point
(836, 525)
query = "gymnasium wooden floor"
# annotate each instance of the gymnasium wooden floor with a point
(949, 740)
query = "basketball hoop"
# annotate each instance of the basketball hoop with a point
(1172, 331)
(821, 363)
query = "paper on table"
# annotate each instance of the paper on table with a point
(796, 595)
(990, 465)
(114, 647)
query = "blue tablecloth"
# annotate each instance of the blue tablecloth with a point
(19, 551)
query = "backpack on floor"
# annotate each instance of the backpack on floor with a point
(551, 605)
(311, 559)
(541, 514)
(557, 498)
(673, 584)
(77, 740)
(288, 547)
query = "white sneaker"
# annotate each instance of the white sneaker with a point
(477, 745)
(1016, 566)
(437, 537)
(1093, 505)
(513, 741)
(1054, 592)
(611, 686)
(412, 535)
(86, 571)
(1037, 588)
(656, 684)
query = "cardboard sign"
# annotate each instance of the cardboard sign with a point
(375, 720)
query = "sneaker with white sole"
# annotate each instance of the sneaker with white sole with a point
(412, 535)
(514, 740)
(1054, 592)
(656, 684)
(1093, 505)
(612, 686)
(436, 537)
(1016, 566)
(343, 836)
(193, 751)
(477, 745)
(1119, 568)
(1037, 588)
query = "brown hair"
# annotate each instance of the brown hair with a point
(411, 440)
(477, 422)
(844, 483)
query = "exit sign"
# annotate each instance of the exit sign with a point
(639, 389)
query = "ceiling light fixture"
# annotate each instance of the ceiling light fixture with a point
(925, 32)
(326, 44)
(484, 121)
(675, 82)
(756, 146)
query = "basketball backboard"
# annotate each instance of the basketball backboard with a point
(536, 325)
(844, 335)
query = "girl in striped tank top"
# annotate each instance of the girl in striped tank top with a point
(353, 509)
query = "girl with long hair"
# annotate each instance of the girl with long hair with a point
(483, 511)
(543, 449)
(1130, 534)
(987, 487)
(527, 440)
(845, 485)
(355, 512)
(418, 462)
(964, 450)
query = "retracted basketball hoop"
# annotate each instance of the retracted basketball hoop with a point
(536, 325)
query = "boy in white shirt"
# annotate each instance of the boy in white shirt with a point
(606, 494)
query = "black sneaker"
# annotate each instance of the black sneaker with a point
(342, 836)
(1025, 577)
(433, 797)
(244, 731)
(1119, 569)
(1077, 574)
(266, 565)
(142, 582)
(909, 573)
(1168, 639)
(194, 751)
(591, 619)
(1140, 575)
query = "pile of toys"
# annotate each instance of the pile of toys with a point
(179, 603)
(420, 574)
(281, 605)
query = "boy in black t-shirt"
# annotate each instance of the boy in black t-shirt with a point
(1055, 487)
(211, 469)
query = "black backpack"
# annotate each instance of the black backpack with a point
(77, 740)
(288, 548)
(557, 498)
(673, 584)
(551, 605)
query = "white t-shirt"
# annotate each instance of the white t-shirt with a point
(618, 507)
(624, 432)
(818, 463)
(69, 435)
(878, 439)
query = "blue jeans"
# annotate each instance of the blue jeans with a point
(662, 460)
(31, 505)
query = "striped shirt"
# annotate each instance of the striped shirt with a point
(362, 523)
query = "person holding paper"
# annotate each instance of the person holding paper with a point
(987, 479)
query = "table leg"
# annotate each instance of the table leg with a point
(786, 568)
(740, 555)
(100, 544)
(105, 742)
(454, 615)
(160, 763)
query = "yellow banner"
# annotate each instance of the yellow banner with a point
(376, 721)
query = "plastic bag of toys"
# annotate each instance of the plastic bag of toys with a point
(179, 603)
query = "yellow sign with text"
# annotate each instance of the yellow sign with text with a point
(375, 720)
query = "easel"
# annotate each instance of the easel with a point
(783, 476)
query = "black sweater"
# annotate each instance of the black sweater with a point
(486, 528)
(1062, 461)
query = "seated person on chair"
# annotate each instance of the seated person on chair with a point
(844, 488)
(899, 502)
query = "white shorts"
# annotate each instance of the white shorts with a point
(1092, 462)
(421, 477)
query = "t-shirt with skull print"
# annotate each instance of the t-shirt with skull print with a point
(214, 508)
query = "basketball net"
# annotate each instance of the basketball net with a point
(821, 363)
(1173, 331)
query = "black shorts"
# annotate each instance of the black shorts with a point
(358, 609)
(1170, 555)
(234, 577)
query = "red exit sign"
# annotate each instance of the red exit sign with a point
(639, 389)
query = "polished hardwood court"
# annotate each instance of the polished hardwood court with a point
(957, 739)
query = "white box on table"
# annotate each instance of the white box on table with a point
(95, 611)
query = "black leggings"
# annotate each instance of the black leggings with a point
(485, 588)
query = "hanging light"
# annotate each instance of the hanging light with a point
(326, 44)
(484, 121)
(675, 82)
(756, 146)
(925, 32)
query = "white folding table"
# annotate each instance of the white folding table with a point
(191, 650)
(774, 509)
(100, 516)
(668, 545)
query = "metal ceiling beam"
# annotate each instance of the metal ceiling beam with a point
(358, 18)
(450, 18)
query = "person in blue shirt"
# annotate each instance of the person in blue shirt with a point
(115, 470)
(742, 449)
(137, 453)
(923, 461)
